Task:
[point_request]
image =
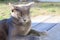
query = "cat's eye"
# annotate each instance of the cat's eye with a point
(15, 9)
(12, 10)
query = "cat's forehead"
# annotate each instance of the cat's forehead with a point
(24, 6)
(21, 7)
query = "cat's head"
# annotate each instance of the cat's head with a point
(21, 12)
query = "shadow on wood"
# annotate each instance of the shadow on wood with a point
(25, 38)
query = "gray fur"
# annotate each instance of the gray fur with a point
(19, 24)
(20, 21)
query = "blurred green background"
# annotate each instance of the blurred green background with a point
(40, 8)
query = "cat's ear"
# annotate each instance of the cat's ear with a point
(11, 6)
(30, 4)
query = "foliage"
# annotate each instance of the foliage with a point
(7, 0)
(38, 9)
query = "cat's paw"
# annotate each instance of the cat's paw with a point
(43, 33)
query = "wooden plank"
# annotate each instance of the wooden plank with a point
(48, 24)
(55, 19)
(25, 38)
(39, 19)
(54, 33)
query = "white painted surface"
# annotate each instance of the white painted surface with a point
(50, 0)
(39, 19)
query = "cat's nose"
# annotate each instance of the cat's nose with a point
(24, 20)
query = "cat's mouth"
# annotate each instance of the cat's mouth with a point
(23, 21)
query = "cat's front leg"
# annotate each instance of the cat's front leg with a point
(36, 33)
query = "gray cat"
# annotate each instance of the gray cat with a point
(19, 24)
